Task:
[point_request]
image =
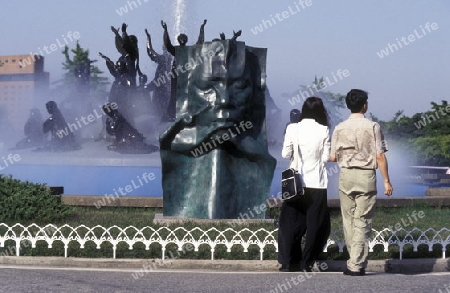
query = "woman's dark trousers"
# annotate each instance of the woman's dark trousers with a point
(308, 215)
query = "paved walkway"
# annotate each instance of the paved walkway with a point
(406, 266)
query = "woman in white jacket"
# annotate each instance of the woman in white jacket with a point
(307, 144)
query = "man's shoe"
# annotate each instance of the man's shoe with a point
(361, 272)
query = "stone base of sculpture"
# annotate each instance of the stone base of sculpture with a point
(217, 185)
(166, 221)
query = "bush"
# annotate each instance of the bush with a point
(22, 200)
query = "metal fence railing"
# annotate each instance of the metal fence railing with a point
(231, 238)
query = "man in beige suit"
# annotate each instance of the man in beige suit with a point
(358, 147)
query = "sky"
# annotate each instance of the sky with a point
(304, 39)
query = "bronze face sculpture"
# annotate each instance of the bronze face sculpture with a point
(215, 160)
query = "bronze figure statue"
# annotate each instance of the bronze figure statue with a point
(160, 86)
(34, 135)
(127, 139)
(61, 138)
(182, 40)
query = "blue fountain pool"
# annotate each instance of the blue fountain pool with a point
(96, 171)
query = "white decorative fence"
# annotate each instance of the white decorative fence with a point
(212, 237)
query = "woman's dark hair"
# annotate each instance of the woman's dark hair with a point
(355, 100)
(313, 108)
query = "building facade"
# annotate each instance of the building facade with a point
(22, 81)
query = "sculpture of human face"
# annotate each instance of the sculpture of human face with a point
(221, 90)
(226, 98)
(220, 86)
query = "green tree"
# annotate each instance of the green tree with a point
(97, 83)
(400, 126)
(431, 150)
(436, 121)
(424, 136)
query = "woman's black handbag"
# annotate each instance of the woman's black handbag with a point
(291, 185)
(291, 179)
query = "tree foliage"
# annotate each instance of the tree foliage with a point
(80, 57)
(425, 136)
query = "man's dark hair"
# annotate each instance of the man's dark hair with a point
(356, 99)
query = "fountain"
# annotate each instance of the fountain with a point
(232, 149)
(107, 164)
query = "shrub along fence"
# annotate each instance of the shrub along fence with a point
(19, 236)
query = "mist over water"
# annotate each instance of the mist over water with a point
(94, 170)
(400, 173)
